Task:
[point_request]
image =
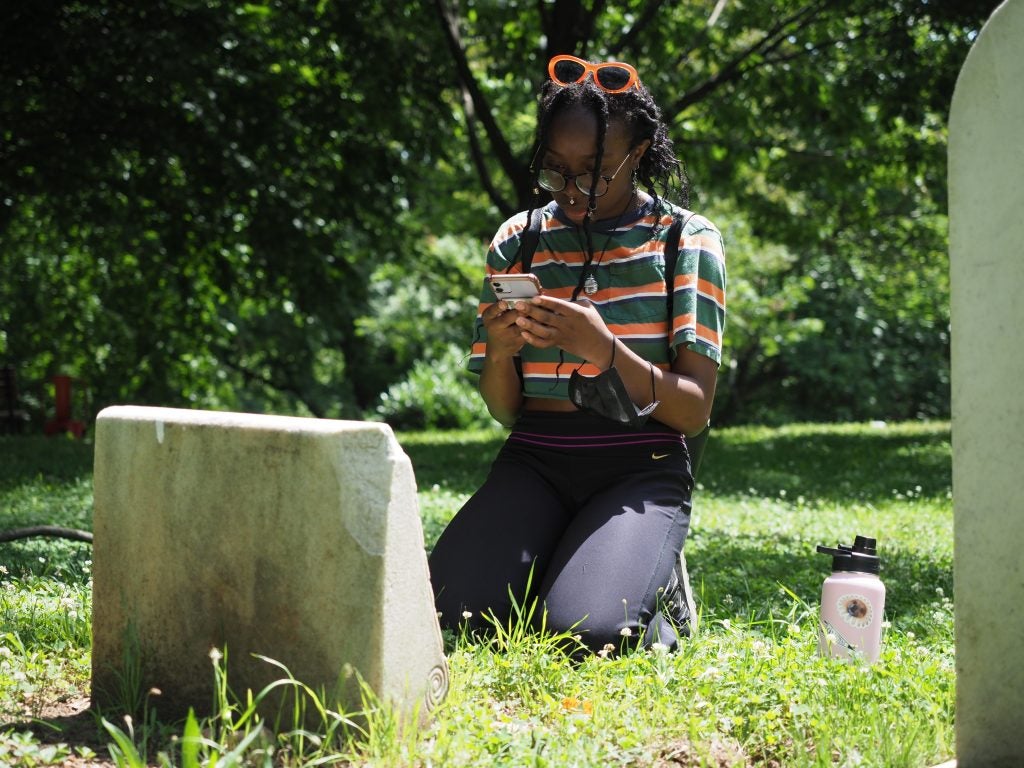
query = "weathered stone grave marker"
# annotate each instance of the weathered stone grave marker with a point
(297, 539)
(986, 233)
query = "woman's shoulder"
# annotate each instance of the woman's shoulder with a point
(693, 222)
(510, 230)
(515, 224)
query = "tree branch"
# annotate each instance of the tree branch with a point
(476, 107)
(649, 13)
(734, 68)
(476, 151)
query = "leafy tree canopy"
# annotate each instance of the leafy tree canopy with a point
(199, 196)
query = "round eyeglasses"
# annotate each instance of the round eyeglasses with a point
(553, 181)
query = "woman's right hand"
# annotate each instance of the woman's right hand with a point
(504, 337)
(499, 382)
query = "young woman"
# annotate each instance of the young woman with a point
(587, 505)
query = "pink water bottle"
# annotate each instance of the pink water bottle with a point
(852, 603)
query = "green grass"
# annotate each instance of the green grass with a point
(748, 690)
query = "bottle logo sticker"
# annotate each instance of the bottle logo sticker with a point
(856, 610)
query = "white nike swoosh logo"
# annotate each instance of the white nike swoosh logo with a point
(657, 456)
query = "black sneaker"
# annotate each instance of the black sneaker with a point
(677, 600)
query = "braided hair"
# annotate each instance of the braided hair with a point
(659, 168)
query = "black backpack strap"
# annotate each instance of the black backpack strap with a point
(529, 239)
(671, 256)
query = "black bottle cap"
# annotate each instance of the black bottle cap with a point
(860, 557)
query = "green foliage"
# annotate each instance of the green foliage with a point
(438, 393)
(206, 204)
(194, 193)
(418, 336)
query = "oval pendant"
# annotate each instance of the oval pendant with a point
(590, 285)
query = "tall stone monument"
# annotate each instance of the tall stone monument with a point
(986, 234)
(295, 539)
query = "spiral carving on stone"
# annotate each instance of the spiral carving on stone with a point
(437, 684)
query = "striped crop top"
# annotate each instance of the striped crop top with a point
(631, 295)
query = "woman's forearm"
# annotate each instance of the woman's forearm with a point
(685, 393)
(501, 389)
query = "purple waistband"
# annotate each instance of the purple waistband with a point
(575, 431)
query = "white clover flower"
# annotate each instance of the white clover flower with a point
(215, 655)
(467, 615)
(659, 648)
(625, 631)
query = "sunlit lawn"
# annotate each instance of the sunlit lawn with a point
(748, 690)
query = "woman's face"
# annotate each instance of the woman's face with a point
(572, 149)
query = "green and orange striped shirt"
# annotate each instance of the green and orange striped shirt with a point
(629, 265)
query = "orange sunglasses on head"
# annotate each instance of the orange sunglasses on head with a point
(611, 76)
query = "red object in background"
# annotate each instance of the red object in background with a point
(63, 422)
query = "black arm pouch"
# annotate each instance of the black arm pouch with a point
(605, 395)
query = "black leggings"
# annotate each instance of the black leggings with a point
(598, 512)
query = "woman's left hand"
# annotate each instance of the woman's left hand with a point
(576, 327)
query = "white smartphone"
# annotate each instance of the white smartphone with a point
(514, 288)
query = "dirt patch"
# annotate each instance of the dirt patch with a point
(69, 721)
(719, 754)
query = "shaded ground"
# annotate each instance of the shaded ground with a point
(69, 721)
